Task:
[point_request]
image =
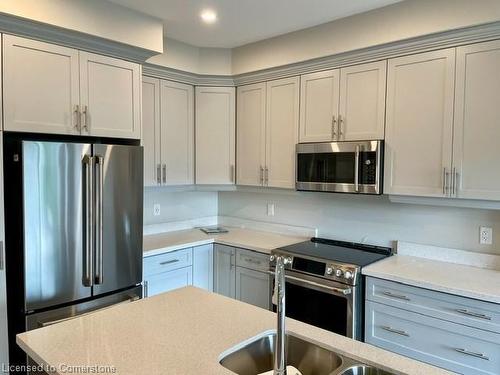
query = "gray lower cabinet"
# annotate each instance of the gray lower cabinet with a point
(176, 269)
(224, 271)
(242, 274)
(452, 332)
(253, 287)
(203, 267)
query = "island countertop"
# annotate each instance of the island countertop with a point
(181, 332)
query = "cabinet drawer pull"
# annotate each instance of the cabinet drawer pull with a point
(472, 354)
(396, 331)
(473, 314)
(158, 174)
(254, 261)
(169, 262)
(398, 296)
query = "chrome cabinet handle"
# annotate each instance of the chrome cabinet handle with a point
(254, 261)
(455, 181)
(76, 114)
(99, 263)
(341, 121)
(261, 175)
(472, 354)
(169, 262)
(334, 123)
(266, 177)
(446, 187)
(84, 118)
(393, 295)
(356, 169)
(88, 262)
(158, 174)
(2, 257)
(164, 173)
(146, 291)
(232, 173)
(473, 314)
(396, 331)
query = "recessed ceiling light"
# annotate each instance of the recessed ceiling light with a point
(208, 16)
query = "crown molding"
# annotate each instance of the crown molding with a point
(10, 24)
(430, 42)
(171, 74)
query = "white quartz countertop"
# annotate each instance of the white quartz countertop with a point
(463, 280)
(238, 237)
(181, 332)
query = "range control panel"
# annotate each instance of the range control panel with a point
(342, 272)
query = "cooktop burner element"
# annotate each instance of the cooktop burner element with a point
(330, 259)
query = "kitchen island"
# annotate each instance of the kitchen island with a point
(181, 332)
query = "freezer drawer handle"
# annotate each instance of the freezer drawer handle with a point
(52, 322)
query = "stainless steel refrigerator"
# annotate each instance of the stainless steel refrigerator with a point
(73, 230)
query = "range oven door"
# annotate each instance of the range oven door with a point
(343, 167)
(325, 304)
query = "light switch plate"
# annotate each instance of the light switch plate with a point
(485, 235)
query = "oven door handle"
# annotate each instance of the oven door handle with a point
(327, 288)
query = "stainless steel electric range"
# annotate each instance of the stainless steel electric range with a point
(324, 285)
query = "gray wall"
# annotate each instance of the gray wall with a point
(178, 206)
(367, 219)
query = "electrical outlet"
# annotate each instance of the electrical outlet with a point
(156, 209)
(270, 209)
(485, 235)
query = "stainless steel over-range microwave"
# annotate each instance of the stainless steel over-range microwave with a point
(343, 167)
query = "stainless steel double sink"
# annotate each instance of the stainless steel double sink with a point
(256, 357)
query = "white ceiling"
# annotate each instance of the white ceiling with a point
(245, 21)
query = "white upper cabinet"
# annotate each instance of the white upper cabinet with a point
(282, 128)
(41, 87)
(251, 134)
(177, 133)
(319, 106)
(362, 102)
(477, 121)
(151, 131)
(110, 96)
(215, 135)
(59, 90)
(419, 122)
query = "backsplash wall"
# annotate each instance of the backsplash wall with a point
(369, 219)
(178, 206)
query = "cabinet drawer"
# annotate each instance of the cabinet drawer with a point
(467, 311)
(167, 281)
(448, 345)
(252, 260)
(168, 261)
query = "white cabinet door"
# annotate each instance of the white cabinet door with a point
(4, 340)
(151, 130)
(203, 267)
(477, 127)
(224, 270)
(215, 135)
(40, 87)
(110, 96)
(251, 134)
(419, 121)
(253, 287)
(362, 102)
(319, 106)
(282, 127)
(166, 281)
(177, 133)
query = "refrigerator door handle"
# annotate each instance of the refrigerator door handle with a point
(88, 263)
(99, 268)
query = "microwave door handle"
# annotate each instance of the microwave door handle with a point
(356, 170)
